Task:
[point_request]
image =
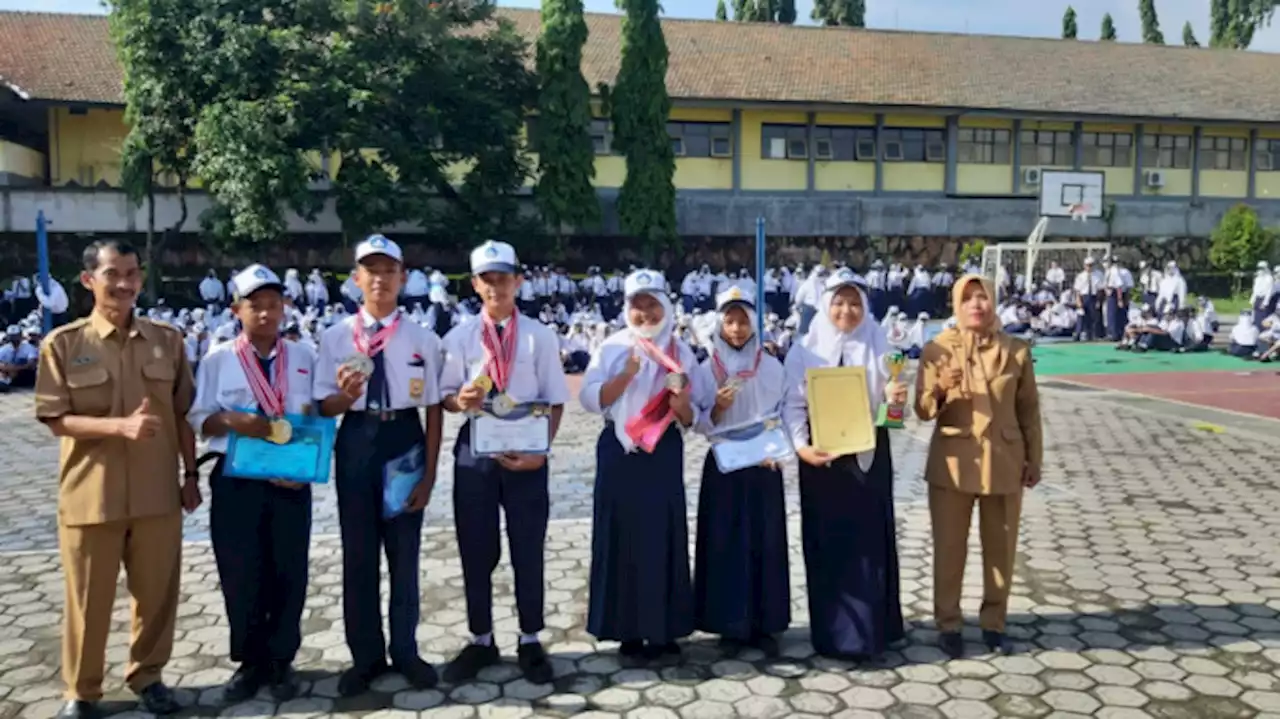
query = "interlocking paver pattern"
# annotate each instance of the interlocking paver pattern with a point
(1147, 586)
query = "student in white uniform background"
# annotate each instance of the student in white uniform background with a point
(260, 530)
(502, 361)
(379, 370)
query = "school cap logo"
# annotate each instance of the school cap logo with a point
(378, 241)
(643, 279)
(261, 273)
(735, 294)
(845, 275)
(491, 252)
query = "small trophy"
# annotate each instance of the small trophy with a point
(891, 413)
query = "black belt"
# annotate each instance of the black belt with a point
(389, 415)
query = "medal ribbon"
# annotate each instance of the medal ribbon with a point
(499, 350)
(722, 373)
(269, 394)
(647, 428)
(370, 347)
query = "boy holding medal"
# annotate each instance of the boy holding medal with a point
(261, 530)
(499, 362)
(379, 370)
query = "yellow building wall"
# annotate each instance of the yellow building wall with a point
(21, 161)
(1226, 183)
(984, 179)
(701, 114)
(865, 119)
(759, 173)
(85, 148)
(1267, 184)
(611, 170)
(914, 176)
(837, 176)
(1176, 182)
(915, 121)
(992, 123)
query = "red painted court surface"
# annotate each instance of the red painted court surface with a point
(1255, 392)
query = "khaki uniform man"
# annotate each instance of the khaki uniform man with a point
(116, 389)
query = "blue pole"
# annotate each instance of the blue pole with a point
(760, 308)
(42, 263)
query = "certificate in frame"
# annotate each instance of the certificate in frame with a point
(526, 429)
(840, 410)
(750, 444)
(307, 456)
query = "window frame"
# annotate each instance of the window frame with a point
(931, 143)
(788, 133)
(1166, 145)
(1106, 149)
(983, 146)
(1061, 154)
(1218, 150)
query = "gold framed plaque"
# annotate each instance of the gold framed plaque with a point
(839, 410)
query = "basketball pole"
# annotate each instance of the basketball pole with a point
(760, 240)
(42, 265)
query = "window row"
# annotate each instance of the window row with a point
(974, 146)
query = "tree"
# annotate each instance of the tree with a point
(566, 153)
(786, 13)
(162, 96)
(743, 10)
(1108, 28)
(1189, 35)
(849, 13)
(1239, 242)
(722, 13)
(641, 108)
(1069, 28)
(1219, 23)
(1150, 23)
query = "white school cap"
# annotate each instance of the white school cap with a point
(734, 295)
(254, 278)
(642, 281)
(378, 245)
(844, 277)
(494, 257)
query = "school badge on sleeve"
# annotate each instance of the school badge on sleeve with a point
(416, 388)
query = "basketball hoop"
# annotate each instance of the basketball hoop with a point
(1079, 211)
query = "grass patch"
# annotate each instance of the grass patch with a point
(1227, 306)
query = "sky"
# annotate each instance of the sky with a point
(997, 17)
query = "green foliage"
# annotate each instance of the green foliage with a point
(566, 153)
(1150, 23)
(1233, 23)
(1240, 241)
(1189, 35)
(786, 12)
(722, 13)
(972, 251)
(1069, 29)
(742, 10)
(641, 107)
(1108, 28)
(850, 13)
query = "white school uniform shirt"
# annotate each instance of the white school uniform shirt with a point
(211, 289)
(614, 284)
(222, 385)
(24, 353)
(1172, 288)
(920, 280)
(1088, 282)
(412, 360)
(536, 376)
(1115, 278)
(1263, 284)
(689, 286)
(1009, 315)
(1177, 330)
(416, 285)
(1055, 276)
(609, 359)
(22, 288)
(526, 290)
(56, 301)
(758, 397)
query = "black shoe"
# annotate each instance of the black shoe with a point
(470, 661)
(631, 648)
(418, 673)
(654, 651)
(356, 680)
(952, 643)
(534, 664)
(242, 685)
(77, 709)
(282, 682)
(996, 642)
(732, 646)
(156, 698)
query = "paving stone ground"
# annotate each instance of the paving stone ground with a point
(1148, 585)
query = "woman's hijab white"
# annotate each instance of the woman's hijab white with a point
(864, 346)
(1245, 333)
(650, 379)
(746, 405)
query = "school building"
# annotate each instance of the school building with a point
(832, 132)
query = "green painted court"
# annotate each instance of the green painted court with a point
(1072, 358)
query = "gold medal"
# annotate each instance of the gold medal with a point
(483, 382)
(281, 432)
(360, 364)
(676, 381)
(733, 384)
(503, 405)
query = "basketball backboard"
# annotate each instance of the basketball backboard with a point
(1064, 193)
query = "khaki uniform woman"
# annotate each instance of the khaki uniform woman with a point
(979, 384)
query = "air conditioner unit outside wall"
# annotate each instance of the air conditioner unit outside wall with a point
(1031, 176)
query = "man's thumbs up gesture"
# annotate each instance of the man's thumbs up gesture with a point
(141, 424)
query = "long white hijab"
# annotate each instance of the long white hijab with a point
(864, 346)
(650, 380)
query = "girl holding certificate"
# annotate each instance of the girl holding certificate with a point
(742, 588)
(846, 502)
(987, 446)
(642, 381)
(261, 530)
